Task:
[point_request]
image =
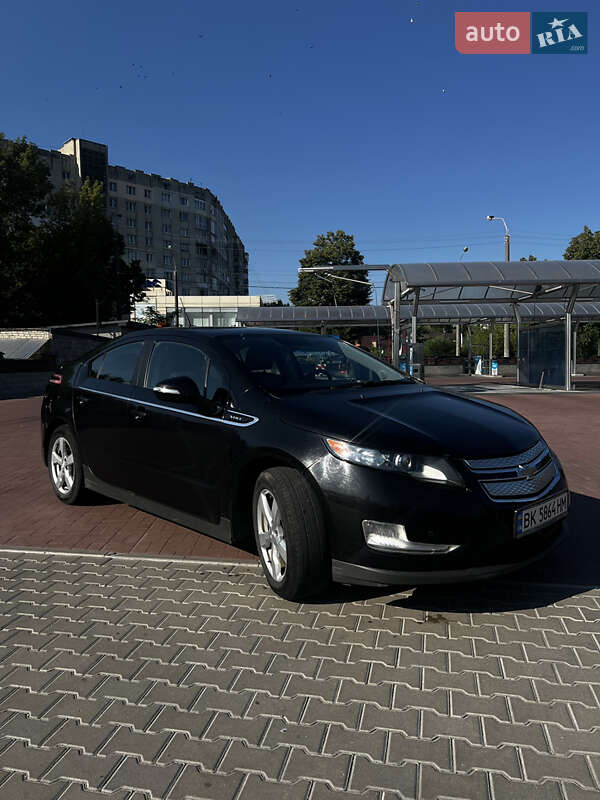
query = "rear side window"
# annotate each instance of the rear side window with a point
(176, 360)
(118, 365)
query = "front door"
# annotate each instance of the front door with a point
(179, 457)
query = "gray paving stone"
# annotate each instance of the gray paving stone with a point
(309, 737)
(530, 734)
(17, 787)
(407, 748)
(468, 727)
(369, 774)
(509, 789)
(255, 786)
(368, 743)
(435, 784)
(566, 768)
(503, 759)
(195, 782)
(268, 762)
(333, 769)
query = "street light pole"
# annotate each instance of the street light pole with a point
(175, 285)
(506, 258)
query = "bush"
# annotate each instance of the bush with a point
(439, 346)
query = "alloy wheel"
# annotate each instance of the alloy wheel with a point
(62, 465)
(271, 537)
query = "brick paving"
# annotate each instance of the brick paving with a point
(137, 678)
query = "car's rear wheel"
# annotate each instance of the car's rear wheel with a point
(64, 466)
(290, 533)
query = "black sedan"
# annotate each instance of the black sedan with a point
(338, 465)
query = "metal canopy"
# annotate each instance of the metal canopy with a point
(286, 316)
(449, 313)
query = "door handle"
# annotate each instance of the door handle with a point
(81, 400)
(138, 413)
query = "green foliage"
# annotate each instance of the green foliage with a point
(152, 317)
(335, 249)
(585, 245)
(481, 342)
(530, 258)
(440, 346)
(59, 254)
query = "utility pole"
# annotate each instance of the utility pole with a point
(175, 285)
(506, 258)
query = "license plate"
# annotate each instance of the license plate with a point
(541, 514)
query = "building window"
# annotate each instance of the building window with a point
(113, 202)
(167, 244)
(131, 190)
(148, 226)
(131, 222)
(199, 204)
(131, 238)
(149, 273)
(147, 193)
(185, 262)
(166, 197)
(112, 186)
(184, 232)
(183, 216)
(148, 241)
(165, 212)
(132, 255)
(213, 210)
(66, 176)
(167, 261)
(148, 258)
(166, 228)
(130, 205)
(147, 209)
(186, 276)
(184, 201)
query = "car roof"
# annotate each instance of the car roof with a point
(215, 332)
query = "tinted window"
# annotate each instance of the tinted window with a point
(300, 362)
(118, 364)
(216, 380)
(176, 360)
(96, 366)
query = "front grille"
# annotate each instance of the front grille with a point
(522, 475)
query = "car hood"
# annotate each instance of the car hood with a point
(411, 418)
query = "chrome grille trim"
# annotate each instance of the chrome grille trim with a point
(523, 487)
(505, 462)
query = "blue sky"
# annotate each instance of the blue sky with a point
(308, 116)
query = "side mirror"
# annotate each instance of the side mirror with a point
(178, 390)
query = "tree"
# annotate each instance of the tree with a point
(84, 261)
(336, 249)
(24, 188)
(585, 245)
(59, 253)
(531, 258)
(152, 317)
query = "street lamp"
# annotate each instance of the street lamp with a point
(491, 217)
(175, 285)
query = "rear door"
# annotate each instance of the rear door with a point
(180, 457)
(101, 410)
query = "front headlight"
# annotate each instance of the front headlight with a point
(425, 468)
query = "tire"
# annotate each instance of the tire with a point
(66, 475)
(291, 542)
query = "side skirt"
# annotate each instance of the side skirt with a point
(222, 531)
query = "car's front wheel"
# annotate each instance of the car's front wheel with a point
(64, 466)
(290, 533)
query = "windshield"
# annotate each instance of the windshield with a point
(288, 362)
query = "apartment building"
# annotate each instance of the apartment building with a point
(164, 222)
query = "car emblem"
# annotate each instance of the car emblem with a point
(525, 472)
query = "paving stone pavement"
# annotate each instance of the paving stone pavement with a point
(132, 678)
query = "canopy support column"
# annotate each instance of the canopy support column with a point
(457, 337)
(491, 345)
(396, 324)
(569, 338)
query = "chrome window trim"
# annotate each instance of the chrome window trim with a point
(135, 401)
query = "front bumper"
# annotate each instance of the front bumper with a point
(344, 572)
(466, 516)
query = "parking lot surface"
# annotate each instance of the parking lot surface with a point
(137, 678)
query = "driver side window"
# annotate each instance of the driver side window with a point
(177, 360)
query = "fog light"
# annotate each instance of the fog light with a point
(388, 536)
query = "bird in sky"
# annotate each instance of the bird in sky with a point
(412, 20)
